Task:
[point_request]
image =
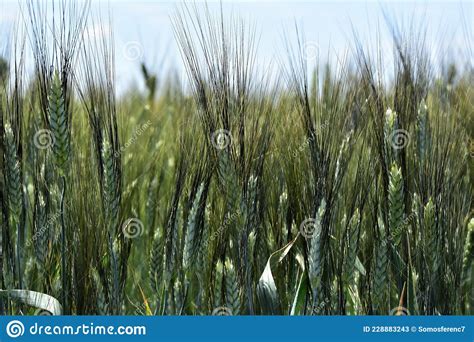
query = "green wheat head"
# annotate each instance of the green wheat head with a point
(219, 275)
(315, 257)
(232, 288)
(156, 261)
(432, 238)
(468, 251)
(13, 177)
(422, 130)
(353, 234)
(190, 239)
(110, 186)
(396, 209)
(58, 122)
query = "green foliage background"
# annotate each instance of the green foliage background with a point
(338, 193)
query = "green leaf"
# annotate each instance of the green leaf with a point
(299, 302)
(38, 300)
(266, 289)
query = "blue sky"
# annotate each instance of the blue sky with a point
(143, 29)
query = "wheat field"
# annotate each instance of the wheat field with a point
(330, 190)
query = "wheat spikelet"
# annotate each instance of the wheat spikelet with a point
(150, 205)
(178, 297)
(468, 256)
(219, 274)
(190, 239)
(171, 256)
(396, 209)
(202, 264)
(156, 261)
(251, 240)
(388, 129)
(13, 177)
(110, 191)
(352, 238)
(58, 122)
(14, 193)
(102, 306)
(422, 130)
(315, 262)
(380, 275)
(41, 232)
(202, 259)
(232, 288)
(114, 287)
(250, 205)
(431, 241)
(229, 181)
(283, 208)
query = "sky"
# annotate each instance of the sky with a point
(143, 29)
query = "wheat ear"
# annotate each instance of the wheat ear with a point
(353, 235)
(58, 122)
(190, 239)
(232, 288)
(315, 264)
(396, 209)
